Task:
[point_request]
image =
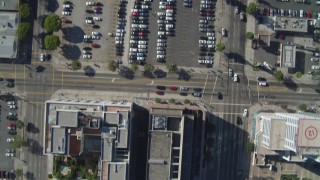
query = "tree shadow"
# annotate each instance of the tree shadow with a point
(89, 71)
(51, 5)
(70, 51)
(73, 34)
(126, 72)
(290, 84)
(148, 74)
(183, 74)
(159, 73)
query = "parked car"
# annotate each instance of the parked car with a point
(245, 113)
(196, 94)
(10, 140)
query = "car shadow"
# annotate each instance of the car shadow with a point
(51, 5)
(183, 74)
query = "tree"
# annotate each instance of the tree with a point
(157, 100)
(112, 66)
(18, 142)
(20, 124)
(19, 172)
(172, 101)
(220, 47)
(250, 35)
(252, 8)
(186, 101)
(284, 106)
(23, 30)
(172, 68)
(51, 42)
(278, 75)
(75, 65)
(50, 176)
(316, 76)
(126, 72)
(250, 147)
(303, 107)
(148, 68)
(52, 23)
(24, 11)
(134, 67)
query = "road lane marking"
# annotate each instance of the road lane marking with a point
(40, 62)
(231, 104)
(37, 102)
(96, 77)
(38, 93)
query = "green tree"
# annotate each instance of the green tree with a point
(23, 30)
(157, 100)
(186, 101)
(75, 65)
(250, 35)
(252, 8)
(250, 147)
(51, 42)
(220, 47)
(278, 75)
(172, 101)
(50, 176)
(316, 76)
(52, 23)
(20, 124)
(18, 142)
(134, 67)
(284, 106)
(172, 68)
(298, 74)
(303, 107)
(19, 172)
(148, 67)
(24, 11)
(112, 66)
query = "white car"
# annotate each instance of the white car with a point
(201, 61)
(161, 33)
(202, 41)
(211, 42)
(301, 13)
(10, 140)
(245, 113)
(120, 30)
(161, 40)
(133, 42)
(169, 11)
(314, 59)
(315, 67)
(223, 31)
(95, 33)
(134, 10)
(119, 42)
(11, 103)
(161, 13)
(42, 57)
(66, 6)
(89, 21)
(143, 26)
(210, 34)
(142, 50)
(119, 34)
(12, 114)
(235, 78)
(169, 14)
(169, 26)
(95, 37)
(160, 21)
(66, 13)
(86, 36)
(140, 58)
(142, 46)
(145, 7)
(316, 54)
(161, 53)
(169, 18)
(160, 56)
(142, 42)
(208, 61)
(161, 44)
(211, 38)
(90, 3)
(162, 3)
(97, 18)
(86, 56)
(134, 25)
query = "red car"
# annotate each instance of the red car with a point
(267, 11)
(66, 21)
(97, 8)
(135, 14)
(169, 7)
(160, 93)
(95, 45)
(141, 33)
(173, 88)
(308, 14)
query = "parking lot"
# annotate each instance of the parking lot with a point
(95, 20)
(6, 158)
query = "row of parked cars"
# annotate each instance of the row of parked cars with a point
(94, 34)
(67, 8)
(281, 12)
(120, 32)
(166, 26)
(183, 91)
(7, 175)
(139, 31)
(206, 42)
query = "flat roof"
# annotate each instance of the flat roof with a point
(290, 24)
(114, 170)
(9, 5)
(277, 134)
(308, 133)
(74, 147)
(111, 117)
(159, 160)
(8, 38)
(122, 138)
(108, 137)
(288, 58)
(59, 140)
(67, 118)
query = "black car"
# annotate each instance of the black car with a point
(183, 94)
(197, 89)
(239, 120)
(161, 87)
(89, 11)
(87, 48)
(162, 37)
(12, 132)
(197, 94)
(10, 84)
(95, 26)
(66, 9)
(12, 118)
(220, 97)
(39, 68)
(89, 18)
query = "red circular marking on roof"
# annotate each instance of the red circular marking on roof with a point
(311, 133)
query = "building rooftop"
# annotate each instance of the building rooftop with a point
(122, 138)
(67, 118)
(159, 123)
(159, 160)
(290, 24)
(111, 117)
(108, 137)
(8, 38)
(308, 133)
(277, 134)
(9, 5)
(288, 56)
(114, 170)
(59, 140)
(74, 147)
